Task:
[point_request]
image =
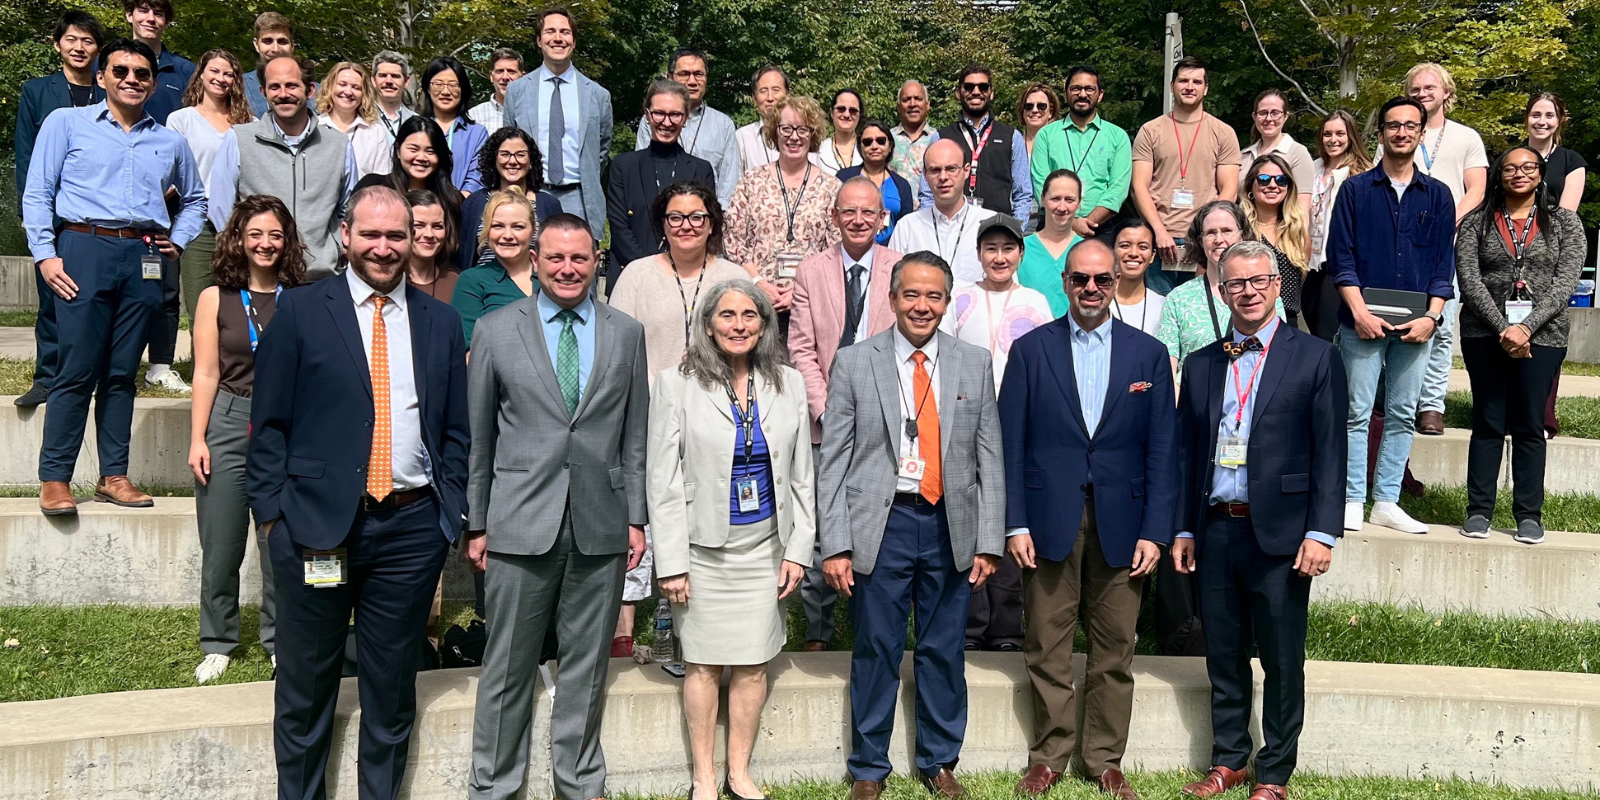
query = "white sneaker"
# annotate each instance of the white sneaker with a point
(1391, 515)
(1353, 512)
(211, 667)
(167, 378)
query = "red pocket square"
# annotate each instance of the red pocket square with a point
(1141, 386)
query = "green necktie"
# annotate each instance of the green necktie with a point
(567, 359)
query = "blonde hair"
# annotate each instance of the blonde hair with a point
(806, 108)
(1294, 229)
(368, 111)
(1445, 80)
(509, 196)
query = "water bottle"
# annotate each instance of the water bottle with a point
(663, 650)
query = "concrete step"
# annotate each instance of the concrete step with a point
(1571, 464)
(1570, 386)
(159, 453)
(1524, 729)
(130, 556)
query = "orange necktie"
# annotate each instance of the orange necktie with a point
(380, 468)
(927, 428)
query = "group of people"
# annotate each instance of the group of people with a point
(904, 365)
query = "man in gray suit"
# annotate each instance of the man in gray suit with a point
(558, 403)
(570, 117)
(912, 492)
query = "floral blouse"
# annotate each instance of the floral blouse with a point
(756, 228)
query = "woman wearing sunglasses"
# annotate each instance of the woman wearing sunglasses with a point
(1269, 117)
(1341, 152)
(1271, 203)
(840, 150)
(639, 176)
(877, 147)
(1037, 107)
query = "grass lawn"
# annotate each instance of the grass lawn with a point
(16, 376)
(1579, 416)
(1567, 368)
(26, 319)
(1447, 505)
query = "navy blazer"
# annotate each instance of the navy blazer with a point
(41, 96)
(312, 412)
(1297, 452)
(1050, 452)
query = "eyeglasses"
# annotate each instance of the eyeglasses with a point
(1408, 127)
(1268, 180)
(444, 85)
(1031, 107)
(857, 213)
(1083, 90)
(140, 74)
(1219, 233)
(1256, 282)
(683, 75)
(869, 141)
(697, 219)
(1530, 168)
(802, 131)
(673, 117)
(1102, 280)
(1271, 113)
(520, 155)
(954, 169)
(846, 110)
(975, 87)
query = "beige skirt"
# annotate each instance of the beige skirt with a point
(733, 617)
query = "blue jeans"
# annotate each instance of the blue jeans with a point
(1437, 381)
(1366, 361)
(1161, 281)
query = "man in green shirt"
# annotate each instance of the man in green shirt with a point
(1083, 142)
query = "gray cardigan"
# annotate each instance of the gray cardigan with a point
(1485, 268)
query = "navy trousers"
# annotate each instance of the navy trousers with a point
(915, 567)
(394, 562)
(101, 334)
(45, 363)
(1249, 599)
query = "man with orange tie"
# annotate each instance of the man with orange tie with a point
(912, 493)
(357, 475)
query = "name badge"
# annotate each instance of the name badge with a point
(788, 265)
(912, 467)
(325, 568)
(1518, 310)
(1182, 198)
(749, 496)
(150, 266)
(1233, 451)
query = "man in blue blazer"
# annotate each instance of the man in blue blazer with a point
(1261, 449)
(1091, 483)
(77, 38)
(357, 474)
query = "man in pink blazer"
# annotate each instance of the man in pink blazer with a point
(841, 296)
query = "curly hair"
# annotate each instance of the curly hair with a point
(230, 264)
(708, 198)
(195, 92)
(489, 159)
(808, 110)
(368, 110)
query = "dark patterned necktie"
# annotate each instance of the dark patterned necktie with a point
(853, 303)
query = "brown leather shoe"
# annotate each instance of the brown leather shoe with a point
(1037, 780)
(814, 646)
(1430, 423)
(1217, 781)
(55, 499)
(866, 790)
(945, 785)
(119, 491)
(1114, 783)
(1270, 791)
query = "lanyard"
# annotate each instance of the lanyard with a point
(250, 315)
(1183, 160)
(747, 418)
(911, 419)
(1243, 392)
(1211, 306)
(1430, 153)
(955, 245)
(689, 304)
(1072, 155)
(1519, 246)
(655, 169)
(798, 195)
(1144, 311)
(978, 139)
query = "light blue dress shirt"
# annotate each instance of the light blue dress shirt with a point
(1232, 484)
(1091, 366)
(583, 328)
(572, 113)
(1021, 176)
(86, 169)
(225, 172)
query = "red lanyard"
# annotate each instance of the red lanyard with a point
(1244, 391)
(1183, 160)
(981, 136)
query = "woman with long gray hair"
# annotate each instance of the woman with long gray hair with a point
(731, 514)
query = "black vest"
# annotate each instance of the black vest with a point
(994, 165)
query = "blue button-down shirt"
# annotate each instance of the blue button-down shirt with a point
(172, 79)
(1091, 365)
(571, 116)
(583, 328)
(1232, 484)
(1381, 241)
(86, 169)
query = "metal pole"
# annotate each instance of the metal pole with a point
(1170, 53)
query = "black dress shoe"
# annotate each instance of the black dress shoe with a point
(35, 396)
(728, 792)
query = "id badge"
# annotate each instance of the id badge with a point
(1518, 310)
(325, 568)
(788, 265)
(912, 467)
(1233, 451)
(749, 496)
(1182, 198)
(150, 266)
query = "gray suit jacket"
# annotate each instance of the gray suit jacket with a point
(861, 441)
(529, 456)
(594, 108)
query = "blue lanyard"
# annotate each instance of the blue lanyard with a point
(250, 315)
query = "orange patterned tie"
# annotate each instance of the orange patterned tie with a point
(380, 468)
(927, 428)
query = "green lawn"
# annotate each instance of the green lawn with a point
(16, 376)
(1579, 416)
(1567, 368)
(1447, 505)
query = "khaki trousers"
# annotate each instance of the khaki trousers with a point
(1053, 595)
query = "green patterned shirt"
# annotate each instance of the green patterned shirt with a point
(1186, 324)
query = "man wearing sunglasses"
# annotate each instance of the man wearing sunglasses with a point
(707, 133)
(104, 260)
(999, 180)
(1260, 451)
(1089, 145)
(1086, 408)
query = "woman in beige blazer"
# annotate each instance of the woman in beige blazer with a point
(732, 512)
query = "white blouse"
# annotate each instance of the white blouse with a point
(203, 138)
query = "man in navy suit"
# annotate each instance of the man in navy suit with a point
(1091, 482)
(78, 37)
(357, 475)
(1261, 449)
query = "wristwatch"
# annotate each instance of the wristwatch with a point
(1438, 319)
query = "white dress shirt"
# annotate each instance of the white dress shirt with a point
(753, 149)
(411, 469)
(954, 238)
(866, 286)
(572, 118)
(370, 142)
(903, 351)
